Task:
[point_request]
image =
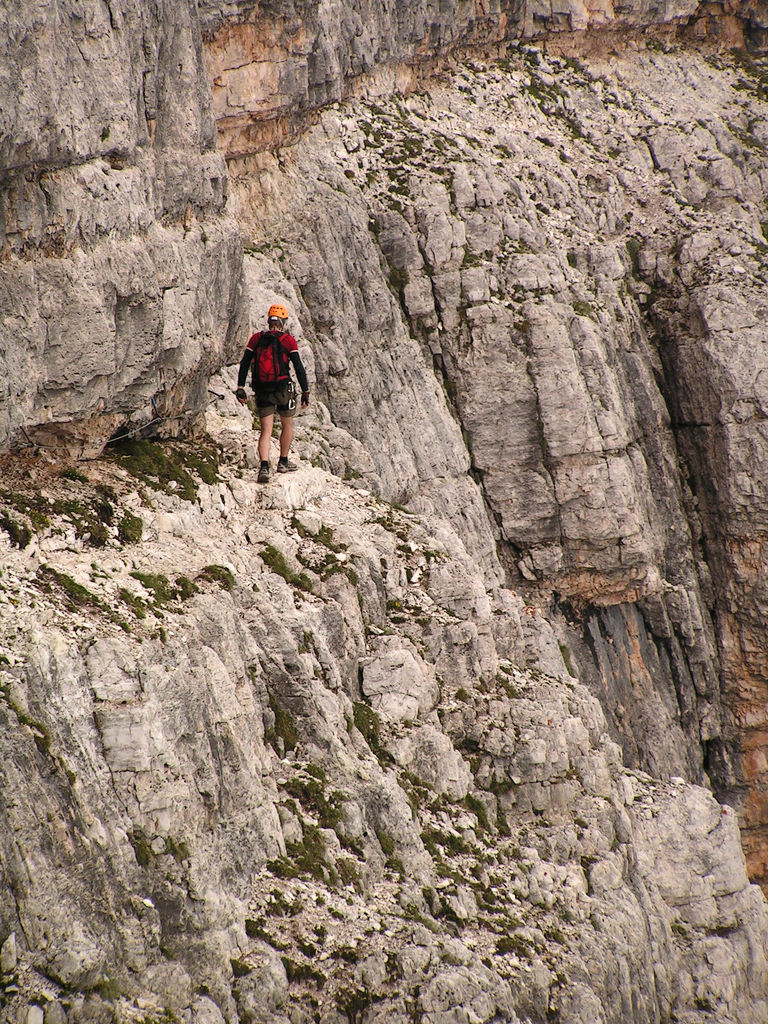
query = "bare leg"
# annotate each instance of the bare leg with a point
(265, 436)
(286, 434)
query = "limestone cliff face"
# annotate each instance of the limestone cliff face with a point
(297, 754)
(485, 199)
(120, 274)
(271, 63)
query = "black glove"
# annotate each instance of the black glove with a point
(241, 396)
(304, 399)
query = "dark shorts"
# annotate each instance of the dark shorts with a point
(281, 399)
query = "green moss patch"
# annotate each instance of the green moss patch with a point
(284, 728)
(276, 561)
(185, 588)
(165, 594)
(218, 574)
(70, 473)
(369, 724)
(19, 533)
(76, 595)
(303, 858)
(89, 516)
(310, 792)
(137, 605)
(158, 585)
(130, 529)
(168, 467)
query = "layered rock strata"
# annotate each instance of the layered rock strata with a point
(120, 272)
(243, 798)
(113, 193)
(271, 64)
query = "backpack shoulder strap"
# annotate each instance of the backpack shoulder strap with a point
(282, 351)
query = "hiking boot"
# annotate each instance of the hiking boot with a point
(263, 477)
(284, 466)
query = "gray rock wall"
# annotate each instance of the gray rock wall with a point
(273, 63)
(120, 278)
(113, 193)
(293, 731)
(583, 484)
(484, 199)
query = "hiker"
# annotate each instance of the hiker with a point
(272, 351)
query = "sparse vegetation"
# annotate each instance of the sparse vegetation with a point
(240, 968)
(565, 653)
(216, 574)
(283, 732)
(137, 604)
(256, 929)
(40, 733)
(582, 308)
(70, 473)
(477, 807)
(515, 943)
(303, 972)
(177, 849)
(157, 584)
(634, 246)
(302, 858)
(348, 872)
(130, 529)
(386, 843)
(168, 467)
(89, 517)
(276, 561)
(141, 847)
(185, 588)
(355, 1002)
(451, 843)
(369, 724)
(19, 533)
(310, 792)
(76, 595)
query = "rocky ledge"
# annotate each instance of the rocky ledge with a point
(283, 754)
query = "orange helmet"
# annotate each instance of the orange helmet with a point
(277, 311)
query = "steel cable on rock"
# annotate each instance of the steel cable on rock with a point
(40, 445)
